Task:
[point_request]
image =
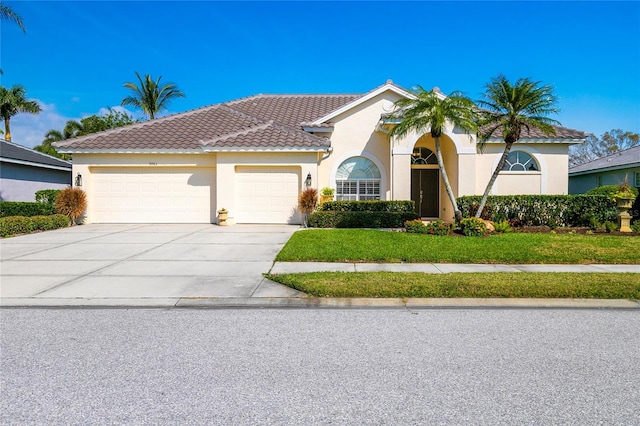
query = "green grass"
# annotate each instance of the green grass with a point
(364, 245)
(480, 285)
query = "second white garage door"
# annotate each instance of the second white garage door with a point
(153, 195)
(267, 194)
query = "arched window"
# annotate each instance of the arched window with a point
(520, 161)
(358, 178)
(423, 156)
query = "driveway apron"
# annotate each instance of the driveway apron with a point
(143, 261)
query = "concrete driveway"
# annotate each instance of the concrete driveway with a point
(143, 262)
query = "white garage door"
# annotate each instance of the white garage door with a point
(267, 194)
(153, 195)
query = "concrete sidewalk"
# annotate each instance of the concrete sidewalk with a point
(440, 268)
(272, 295)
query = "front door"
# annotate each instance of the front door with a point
(424, 191)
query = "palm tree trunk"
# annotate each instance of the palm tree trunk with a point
(494, 176)
(445, 180)
(7, 129)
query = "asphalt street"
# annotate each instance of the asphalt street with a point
(306, 366)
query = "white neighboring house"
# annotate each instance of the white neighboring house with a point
(253, 156)
(23, 171)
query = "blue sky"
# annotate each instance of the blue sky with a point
(76, 56)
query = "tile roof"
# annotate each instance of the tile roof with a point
(11, 151)
(291, 110)
(261, 121)
(534, 133)
(629, 157)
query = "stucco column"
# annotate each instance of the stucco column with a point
(467, 174)
(401, 180)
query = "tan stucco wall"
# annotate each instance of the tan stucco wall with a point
(355, 135)
(552, 179)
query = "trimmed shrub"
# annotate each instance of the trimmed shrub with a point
(401, 206)
(473, 227)
(544, 210)
(71, 202)
(438, 227)
(611, 190)
(415, 227)
(47, 196)
(635, 227)
(19, 208)
(359, 219)
(14, 225)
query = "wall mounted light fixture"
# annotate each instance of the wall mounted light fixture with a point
(78, 179)
(308, 180)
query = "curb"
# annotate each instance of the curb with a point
(317, 303)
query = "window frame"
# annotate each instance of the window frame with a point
(531, 159)
(365, 188)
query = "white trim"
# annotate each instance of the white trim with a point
(402, 151)
(32, 164)
(368, 156)
(388, 86)
(543, 172)
(460, 148)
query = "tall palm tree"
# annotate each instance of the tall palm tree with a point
(509, 109)
(429, 111)
(150, 96)
(12, 102)
(7, 13)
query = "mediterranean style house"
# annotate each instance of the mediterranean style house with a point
(253, 156)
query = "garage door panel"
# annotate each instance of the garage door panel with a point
(267, 195)
(172, 195)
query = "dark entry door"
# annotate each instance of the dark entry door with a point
(424, 191)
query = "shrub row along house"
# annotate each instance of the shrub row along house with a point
(253, 156)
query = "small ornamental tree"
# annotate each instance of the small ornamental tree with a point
(71, 202)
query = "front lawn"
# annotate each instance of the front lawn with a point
(365, 245)
(467, 285)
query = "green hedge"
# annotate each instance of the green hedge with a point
(359, 219)
(14, 225)
(550, 210)
(402, 206)
(19, 208)
(47, 196)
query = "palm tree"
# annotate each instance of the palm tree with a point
(430, 111)
(510, 109)
(7, 13)
(12, 102)
(150, 96)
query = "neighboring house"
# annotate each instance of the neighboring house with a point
(623, 166)
(253, 156)
(24, 171)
